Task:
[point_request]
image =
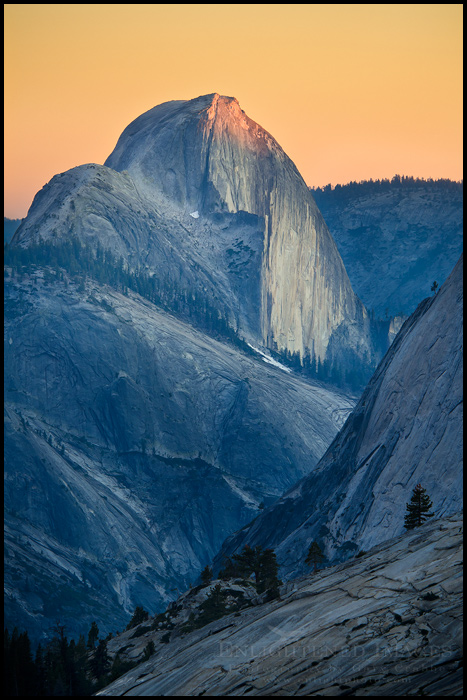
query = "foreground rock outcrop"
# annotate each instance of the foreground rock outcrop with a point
(388, 623)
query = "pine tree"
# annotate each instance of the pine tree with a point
(93, 635)
(214, 606)
(83, 685)
(230, 569)
(249, 562)
(417, 509)
(140, 615)
(314, 556)
(262, 564)
(41, 675)
(149, 650)
(99, 663)
(206, 575)
(269, 580)
(19, 671)
(116, 669)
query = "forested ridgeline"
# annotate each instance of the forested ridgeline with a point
(72, 261)
(402, 183)
(9, 228)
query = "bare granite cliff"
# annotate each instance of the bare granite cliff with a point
(208, 157)
(406, 429)
(200, 195)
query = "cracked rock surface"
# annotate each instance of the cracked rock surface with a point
(386, 623)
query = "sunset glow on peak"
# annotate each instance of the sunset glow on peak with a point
(350, 92)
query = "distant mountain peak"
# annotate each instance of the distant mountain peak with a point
(202, 167)
(224, 107)
(206, 155)
(173, 149)
(216, 97)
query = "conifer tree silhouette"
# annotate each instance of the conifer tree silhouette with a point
(206, 575)
(417, 509)
(315, 555)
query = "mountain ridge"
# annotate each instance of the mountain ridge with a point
(396, 237)
(410, 410)
(207, 196)
(134, 444)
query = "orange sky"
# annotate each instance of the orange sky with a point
(350, 92)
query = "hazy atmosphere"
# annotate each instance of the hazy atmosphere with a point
(233, 350)
(351, 92)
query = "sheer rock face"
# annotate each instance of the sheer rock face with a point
(208, 157)
(406, 429)
(133, 446)
(202, 195)
(386, 624)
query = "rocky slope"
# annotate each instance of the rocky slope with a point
(395, 238)
(406, 429)
(134, 445)
(389, 623)
(199, 193)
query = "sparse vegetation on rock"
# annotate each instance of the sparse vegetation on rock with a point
(206, 575)
(315, 555)
(418, 508)
(140, 615)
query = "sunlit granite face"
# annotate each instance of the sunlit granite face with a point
(199, 193)
(207, 156)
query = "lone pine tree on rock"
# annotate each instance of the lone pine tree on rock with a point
(249, 561)
(417, 509)
(315, 555)
(258, 562)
